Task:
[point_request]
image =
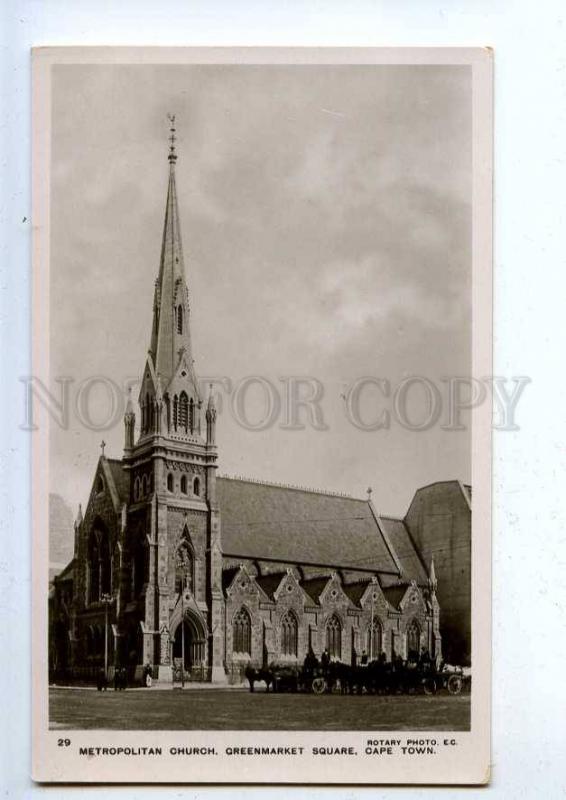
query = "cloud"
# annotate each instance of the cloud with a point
(323, 243)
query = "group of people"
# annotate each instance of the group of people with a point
(414, 659)
(120, 679)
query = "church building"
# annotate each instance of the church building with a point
(200, 575)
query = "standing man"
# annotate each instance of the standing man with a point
(101, 682)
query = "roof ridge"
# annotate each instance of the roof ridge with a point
(438, 483)
(292, 486)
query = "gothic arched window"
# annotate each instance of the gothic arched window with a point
(184, 484)
(196, 487)
(137, 489)
(374, 639)
(191, 415)
(184, 568)
(242, 633)
(334, 637)
(92, 568)
(289, 634)
(180, 319)
(175, 412)
(413, 639)
(183, 411)
(169, 482)
(99, 570)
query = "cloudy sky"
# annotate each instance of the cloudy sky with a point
(326, 225)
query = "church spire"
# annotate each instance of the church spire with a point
(170, 336)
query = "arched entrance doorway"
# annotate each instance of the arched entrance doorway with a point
(188, 645)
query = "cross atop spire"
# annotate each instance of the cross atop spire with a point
(172, 139)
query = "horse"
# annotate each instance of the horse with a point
(263, 674)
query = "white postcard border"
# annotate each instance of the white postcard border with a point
(466, 762)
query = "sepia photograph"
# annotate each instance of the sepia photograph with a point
(260, 350)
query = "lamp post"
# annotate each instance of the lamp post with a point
(371, 631)
(182, 632)
(180, 565)
(106, 599)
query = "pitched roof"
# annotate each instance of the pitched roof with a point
(355, 591)
(394, 594)
(261, 520)
(228, 576)
(59, 575)
(270, 583)
(314, 587)
(120, 478)
(404, 548)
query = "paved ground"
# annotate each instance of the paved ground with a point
(207, 709)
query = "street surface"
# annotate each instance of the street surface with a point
(238, 709)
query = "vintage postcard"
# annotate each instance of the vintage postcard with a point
(260, 414)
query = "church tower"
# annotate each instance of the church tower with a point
(173, 538)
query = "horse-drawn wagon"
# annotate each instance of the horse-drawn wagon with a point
(377, 677)
(453, 679)
(287, 678)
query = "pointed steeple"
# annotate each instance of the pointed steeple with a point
(210, 419)
(129, 422)
(170, 336)
(129, 404)
(432, 582)
(211, 407)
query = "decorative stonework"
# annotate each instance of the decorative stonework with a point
(183, 466)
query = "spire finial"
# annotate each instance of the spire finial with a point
(129, 404)
(172, 139)
(369, 491)
(432, 581)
